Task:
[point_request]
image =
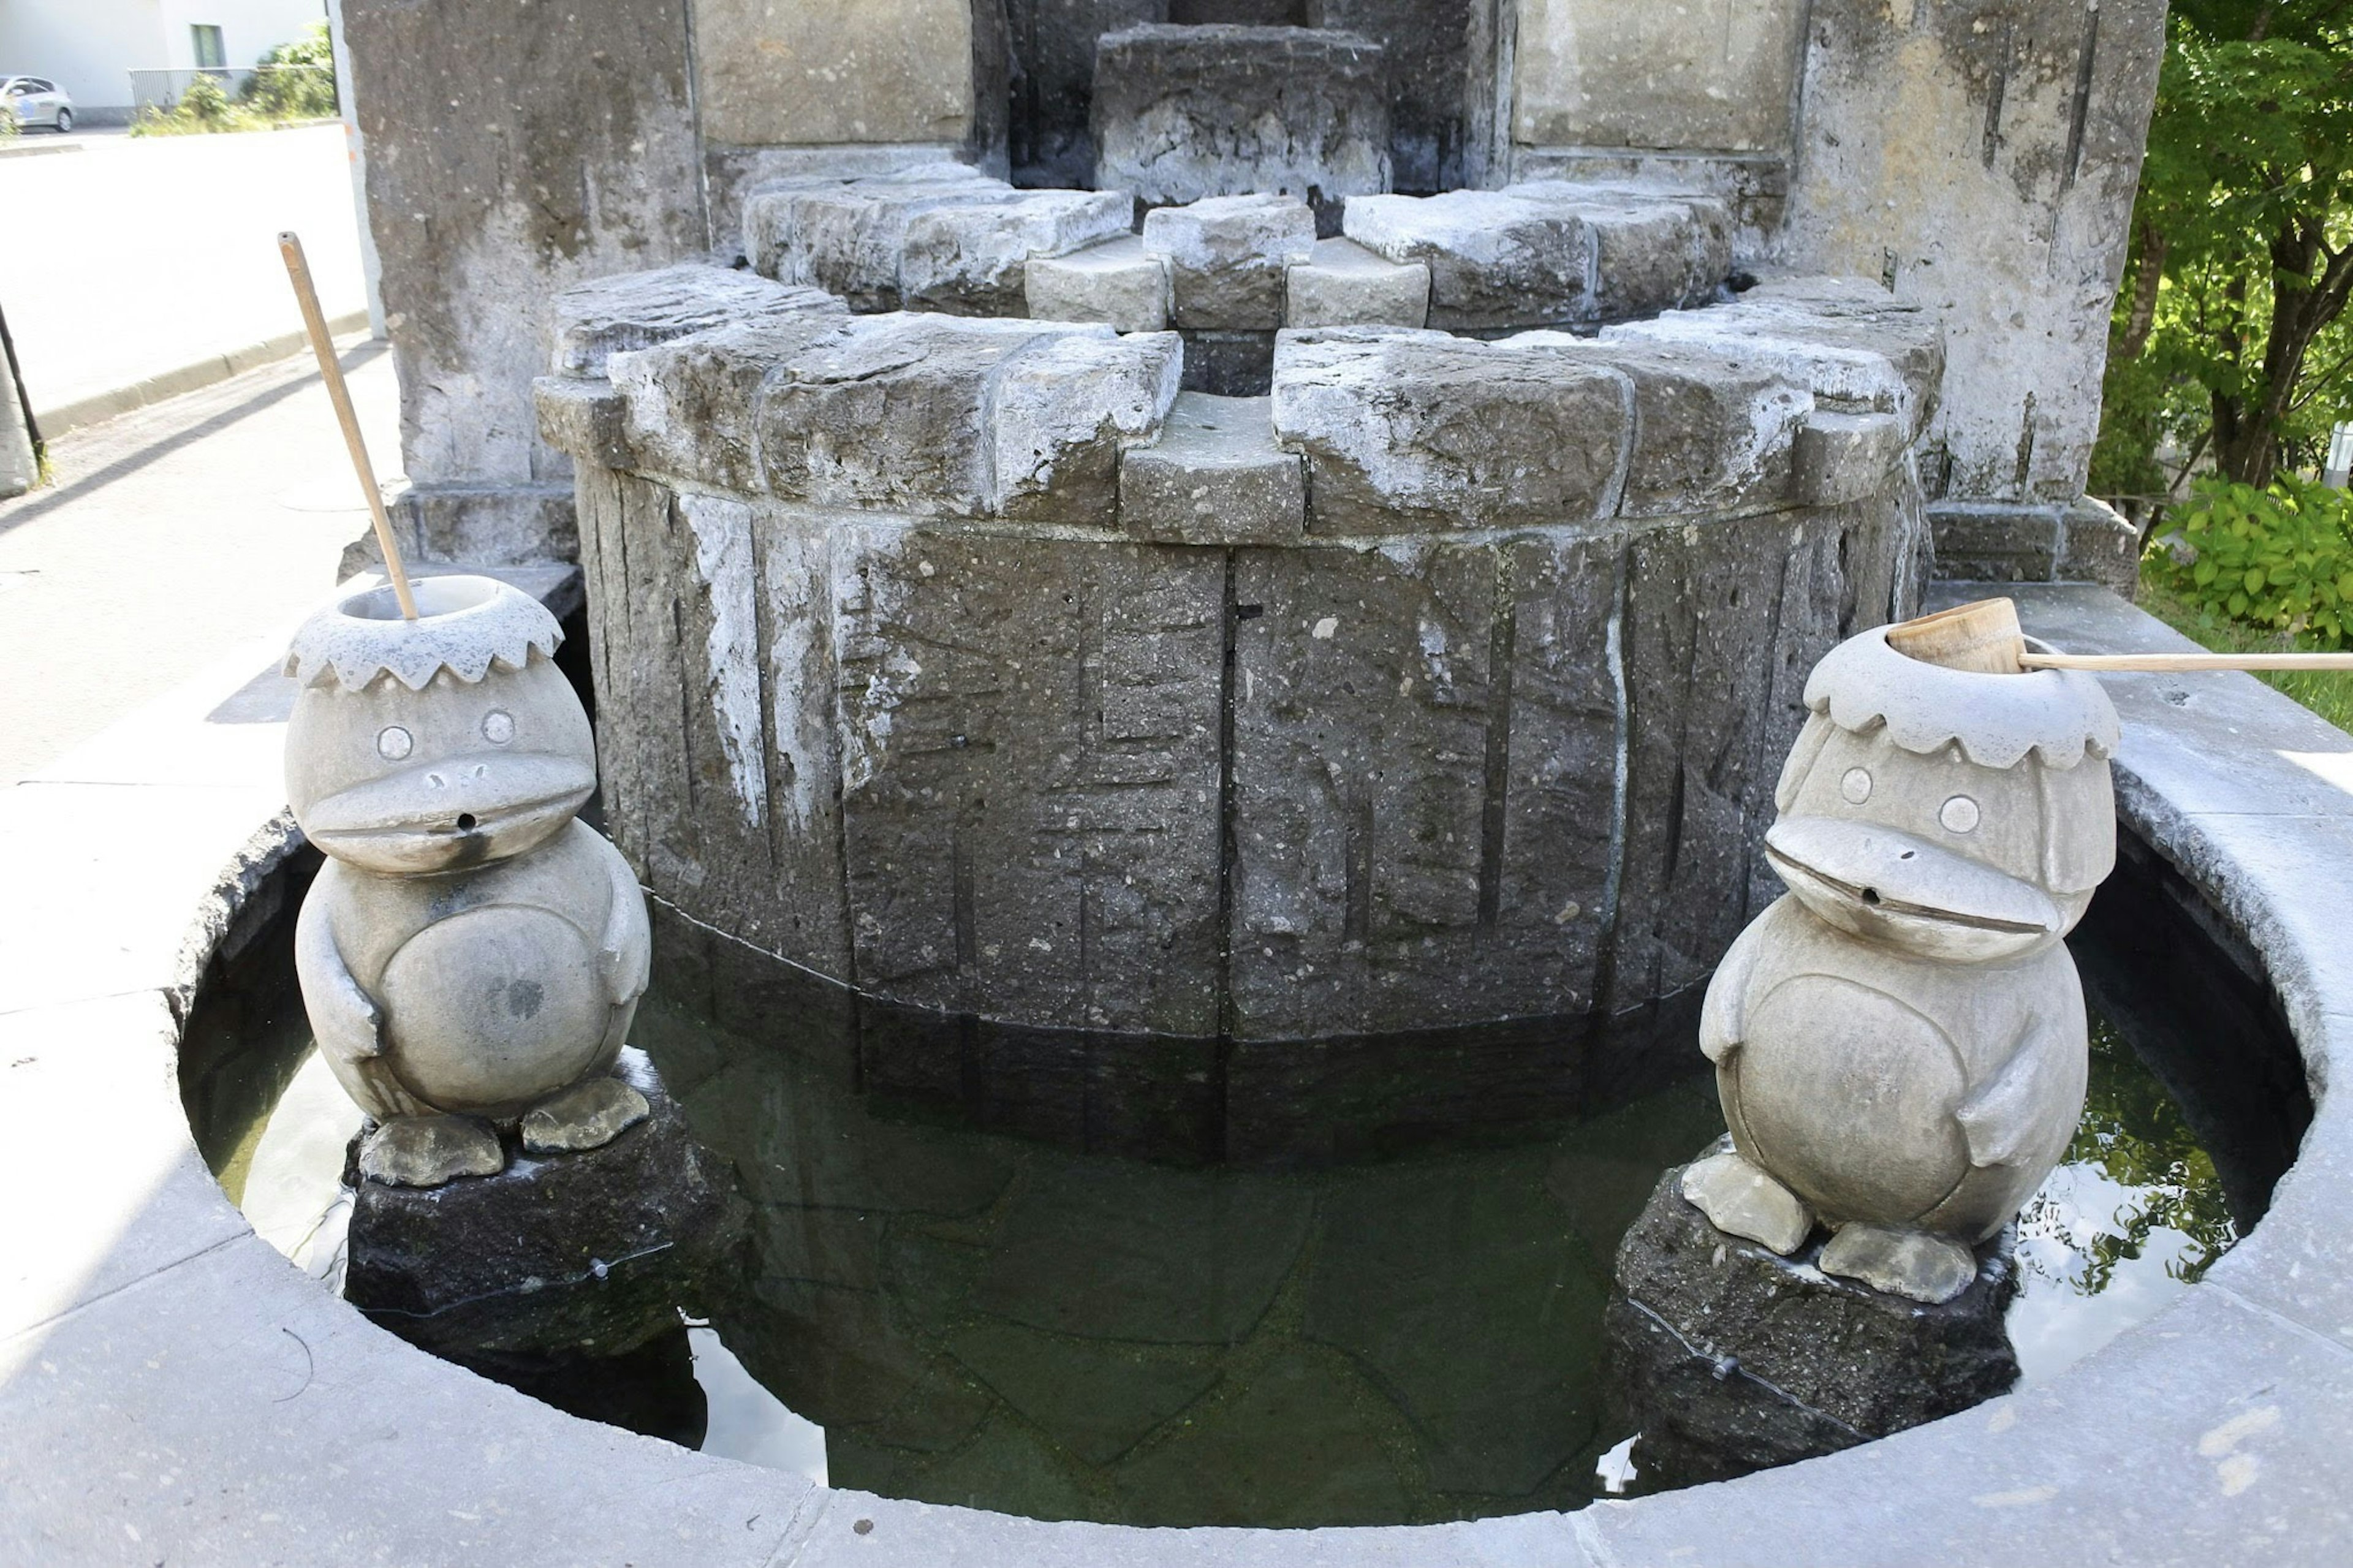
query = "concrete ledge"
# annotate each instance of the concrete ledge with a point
(171, 1388)
(55, 422)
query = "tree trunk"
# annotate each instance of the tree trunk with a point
(2149, 272)
(2247, 434)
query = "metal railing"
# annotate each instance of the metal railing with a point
(162, 89)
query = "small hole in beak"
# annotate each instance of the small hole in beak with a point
(1869, 895)
(466, 825)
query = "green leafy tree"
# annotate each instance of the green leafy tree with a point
(2242, 254)
(297, 79)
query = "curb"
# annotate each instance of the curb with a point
(206, 371)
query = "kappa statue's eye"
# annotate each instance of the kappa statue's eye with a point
(393, 742)
(1856, 785)
(1959, 815)
(498, 726)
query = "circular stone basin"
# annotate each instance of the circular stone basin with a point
(1399, 1324)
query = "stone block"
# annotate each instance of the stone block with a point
(1215, 477)
(1846, 457)
(1413, 431)
(1714, 432)
(2099, 544)
(1342, 284)
(1996, 541)
(803, 75)
(692, 404)
(585, 418)
(1495, 258)
(1550, 252)
(1731, 1359)
(1646, 76)
(638, 310)
(1859, 348)
(1184, 112)
(1227, 258)
(937, 236)
(1115, 283)
(1061, 415)
(970, 260)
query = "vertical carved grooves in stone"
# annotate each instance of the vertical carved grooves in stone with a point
(2079, 113)
(774, 758)
(1995, 90)
(599, 491)
(1605, 953)
(1228, 849)
(1630, 434)
(1502, 635)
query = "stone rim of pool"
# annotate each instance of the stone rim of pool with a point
(173, 1388)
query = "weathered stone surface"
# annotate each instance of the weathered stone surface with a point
(901, 71)
(1227, 256)
(1997, 542)
(1985, 165)
(585, 418)
(592, 1253)
(912, 412)
(1622, 74)
(1841, 458)
(428, 1151)
(1228, 364)
(588, 1115)
(971, 260)
(507, 161)
(1412, 866)
(2100, 545)
(1115, 283)
(1860, 349)
(1412, 431)
(638, 310)
(1731, 1359)
(1052, 142)
(1441, 67)
(1215, 477)
(1184, 112)
(1342, 284)
(936, 236)
(1041, 848)
(1549, 252)
(1714, 430)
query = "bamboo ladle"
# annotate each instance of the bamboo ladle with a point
(1984, 636)
(315, 323)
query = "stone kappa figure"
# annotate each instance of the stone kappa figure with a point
(471, 954)
(1900, 1040)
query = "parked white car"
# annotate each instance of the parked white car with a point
(37, 101)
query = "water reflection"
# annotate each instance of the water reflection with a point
(2133, 1216)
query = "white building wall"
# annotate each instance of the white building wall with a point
(86, 47)
(249, 28)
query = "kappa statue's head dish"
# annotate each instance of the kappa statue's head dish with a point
(436, 744)
(1959, 816)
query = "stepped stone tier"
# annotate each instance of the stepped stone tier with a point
(974, 661)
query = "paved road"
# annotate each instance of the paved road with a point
(172, 538)
(138, 254)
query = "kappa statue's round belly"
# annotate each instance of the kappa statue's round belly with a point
(1849, 1095)
(493, 1007)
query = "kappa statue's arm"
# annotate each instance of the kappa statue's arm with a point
(625, 953)
(1724, 1016)
(2027, 1109)
(349, 1026)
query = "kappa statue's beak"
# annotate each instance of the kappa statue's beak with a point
(458, 811)
(1886, 884)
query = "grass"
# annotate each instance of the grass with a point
(2328, 693)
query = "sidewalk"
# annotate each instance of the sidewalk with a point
(170, 537)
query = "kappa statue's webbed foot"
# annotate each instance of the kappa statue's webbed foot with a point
(426, 1150)
(1917, 1264)
(1740, 1199)
(588, 1115)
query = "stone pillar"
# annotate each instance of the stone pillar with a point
(515, 147)
(1982, 157)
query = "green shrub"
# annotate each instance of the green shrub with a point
(206, 102)
(297, 81)
(2280, 559)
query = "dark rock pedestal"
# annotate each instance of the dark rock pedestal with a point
(579, 1256)
(1730, 1359)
